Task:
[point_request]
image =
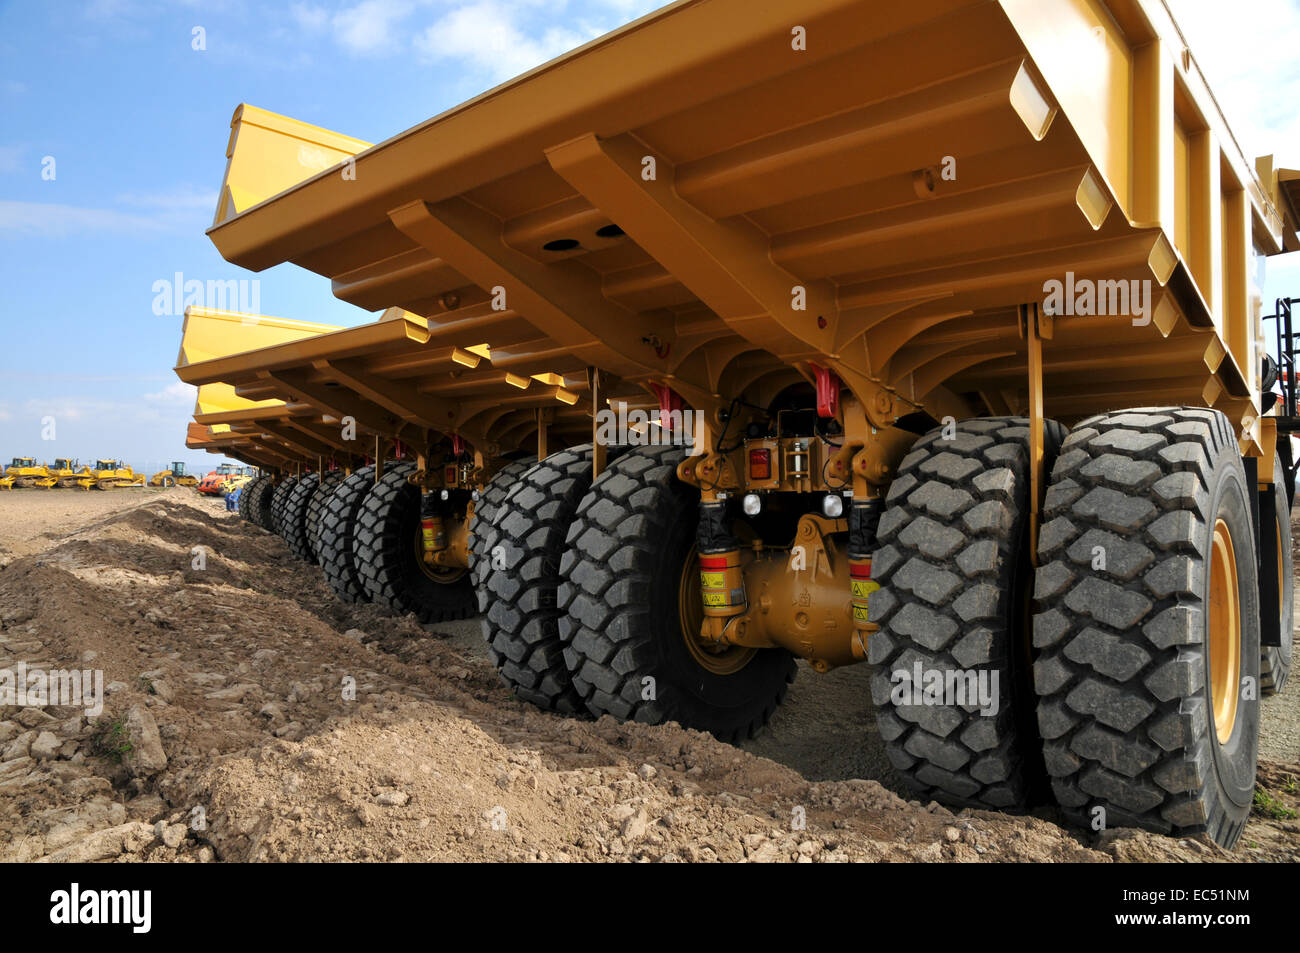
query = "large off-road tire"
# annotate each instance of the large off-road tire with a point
(280, 499)
(483, 535)
(246, 499)
(293, 519)
(328, 483)
(337, 528)
(259, 503)
(388, 553)
(955, 575)
(1275, 661)
(1146, 556)
(628, 576)
(517, 590)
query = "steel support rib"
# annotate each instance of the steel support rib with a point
(564, 300)
(726, 265)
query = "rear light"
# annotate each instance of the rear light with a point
(760, 464)
(449, 476)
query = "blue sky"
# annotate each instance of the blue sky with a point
(136, 121)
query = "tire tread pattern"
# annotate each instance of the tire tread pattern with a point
(337, 527)
(613, 546)
(950, 538)
(520, 614)
(1120, 672)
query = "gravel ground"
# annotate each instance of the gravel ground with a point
(224, 684)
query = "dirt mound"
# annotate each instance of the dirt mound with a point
(250, 716)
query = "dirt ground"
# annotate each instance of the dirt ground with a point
(229, 733)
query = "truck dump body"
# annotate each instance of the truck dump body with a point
(396, 379)
(962, 296)
(256, 431)
(1080, 138)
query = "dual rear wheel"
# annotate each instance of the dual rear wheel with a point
(591, 601)
(1144, 644)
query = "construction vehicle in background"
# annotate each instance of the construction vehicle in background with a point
(25, 472)
(176, 476)
(243, 477)
(214, 480)
(222, 480)
(927, 334)
(65, 471)
(112, 475)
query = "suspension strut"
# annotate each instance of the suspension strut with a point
(864, 518)
(722, 585)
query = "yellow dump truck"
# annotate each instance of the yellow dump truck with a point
(925, 333)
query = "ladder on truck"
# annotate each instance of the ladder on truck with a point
(1283, 376)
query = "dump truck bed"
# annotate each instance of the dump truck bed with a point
(261, 432)
(395, 378)
(654, 203)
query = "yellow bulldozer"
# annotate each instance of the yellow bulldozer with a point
(176, 476)
(935, 342)
(25, 472)
(111, 475)
(65, 471)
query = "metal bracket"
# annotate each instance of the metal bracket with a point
(1032, 326)
(594, 376)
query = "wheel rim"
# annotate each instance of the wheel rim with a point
(442, 575)
(1224, 632)
(719, 660)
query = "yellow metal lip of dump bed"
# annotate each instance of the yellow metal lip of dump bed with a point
(267, 434)
(261, 432)
(254, 453)
(397, 378)
(823, 168)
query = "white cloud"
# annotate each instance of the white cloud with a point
(492, 39)
(177, 392)
(184, 210)
(57, 221)
(182, 197)
(70, 408)
(368, 27)
(41, 218)
(112, 9)
(309, 17)
(1249, 61)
